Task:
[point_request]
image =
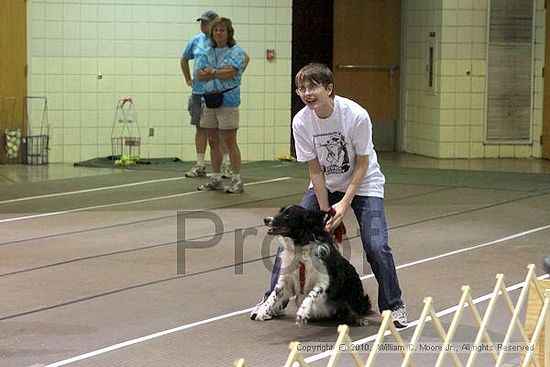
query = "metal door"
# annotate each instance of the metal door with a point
(13, 58)
(366, 62)
(545, 137)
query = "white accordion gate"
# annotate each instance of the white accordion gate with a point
(534, 332)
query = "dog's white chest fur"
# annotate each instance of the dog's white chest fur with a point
(301, 272)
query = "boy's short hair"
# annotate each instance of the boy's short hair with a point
(315, 73)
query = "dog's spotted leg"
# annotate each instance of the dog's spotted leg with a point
(267, 310)
(304, 312)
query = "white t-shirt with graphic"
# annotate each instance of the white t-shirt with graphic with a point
(335, 141)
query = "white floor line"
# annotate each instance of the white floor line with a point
(318, 357)
(503, 239)
(309, 359)
(145, 338)
(94, 207)
(91, 190)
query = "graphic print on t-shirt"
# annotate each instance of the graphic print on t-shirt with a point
(333, 155)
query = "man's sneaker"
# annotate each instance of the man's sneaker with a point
(226, 171)
(399, 317)
(211, 184)
(196, 171)
(236, 186)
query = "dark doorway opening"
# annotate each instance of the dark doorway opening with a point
(312, 40)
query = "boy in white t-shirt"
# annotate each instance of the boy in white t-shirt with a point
(334, 136)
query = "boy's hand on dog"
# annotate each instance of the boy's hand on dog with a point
(337, 212)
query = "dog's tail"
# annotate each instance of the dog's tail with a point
(366, 309)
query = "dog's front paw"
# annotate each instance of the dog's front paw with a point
(262, 313)
(301, 320)
(302, 316)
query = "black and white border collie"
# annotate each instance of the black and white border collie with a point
(325, 284)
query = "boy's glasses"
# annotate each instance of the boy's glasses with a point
(303, 90)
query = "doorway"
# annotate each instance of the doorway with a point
(545, 138)
(13, 70)
(366, 62)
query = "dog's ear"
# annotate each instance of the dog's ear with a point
(315, 219)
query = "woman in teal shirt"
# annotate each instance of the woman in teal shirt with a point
(221, 68)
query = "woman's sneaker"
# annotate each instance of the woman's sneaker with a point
(196, 171)
(236, 186)
(399, 317)
(211, 184)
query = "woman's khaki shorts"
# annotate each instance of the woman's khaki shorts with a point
(223, 118)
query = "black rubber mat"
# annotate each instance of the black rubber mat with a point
(163, 164)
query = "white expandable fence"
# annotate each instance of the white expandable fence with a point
(534, 330)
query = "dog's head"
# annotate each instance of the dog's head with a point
(297, 223)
